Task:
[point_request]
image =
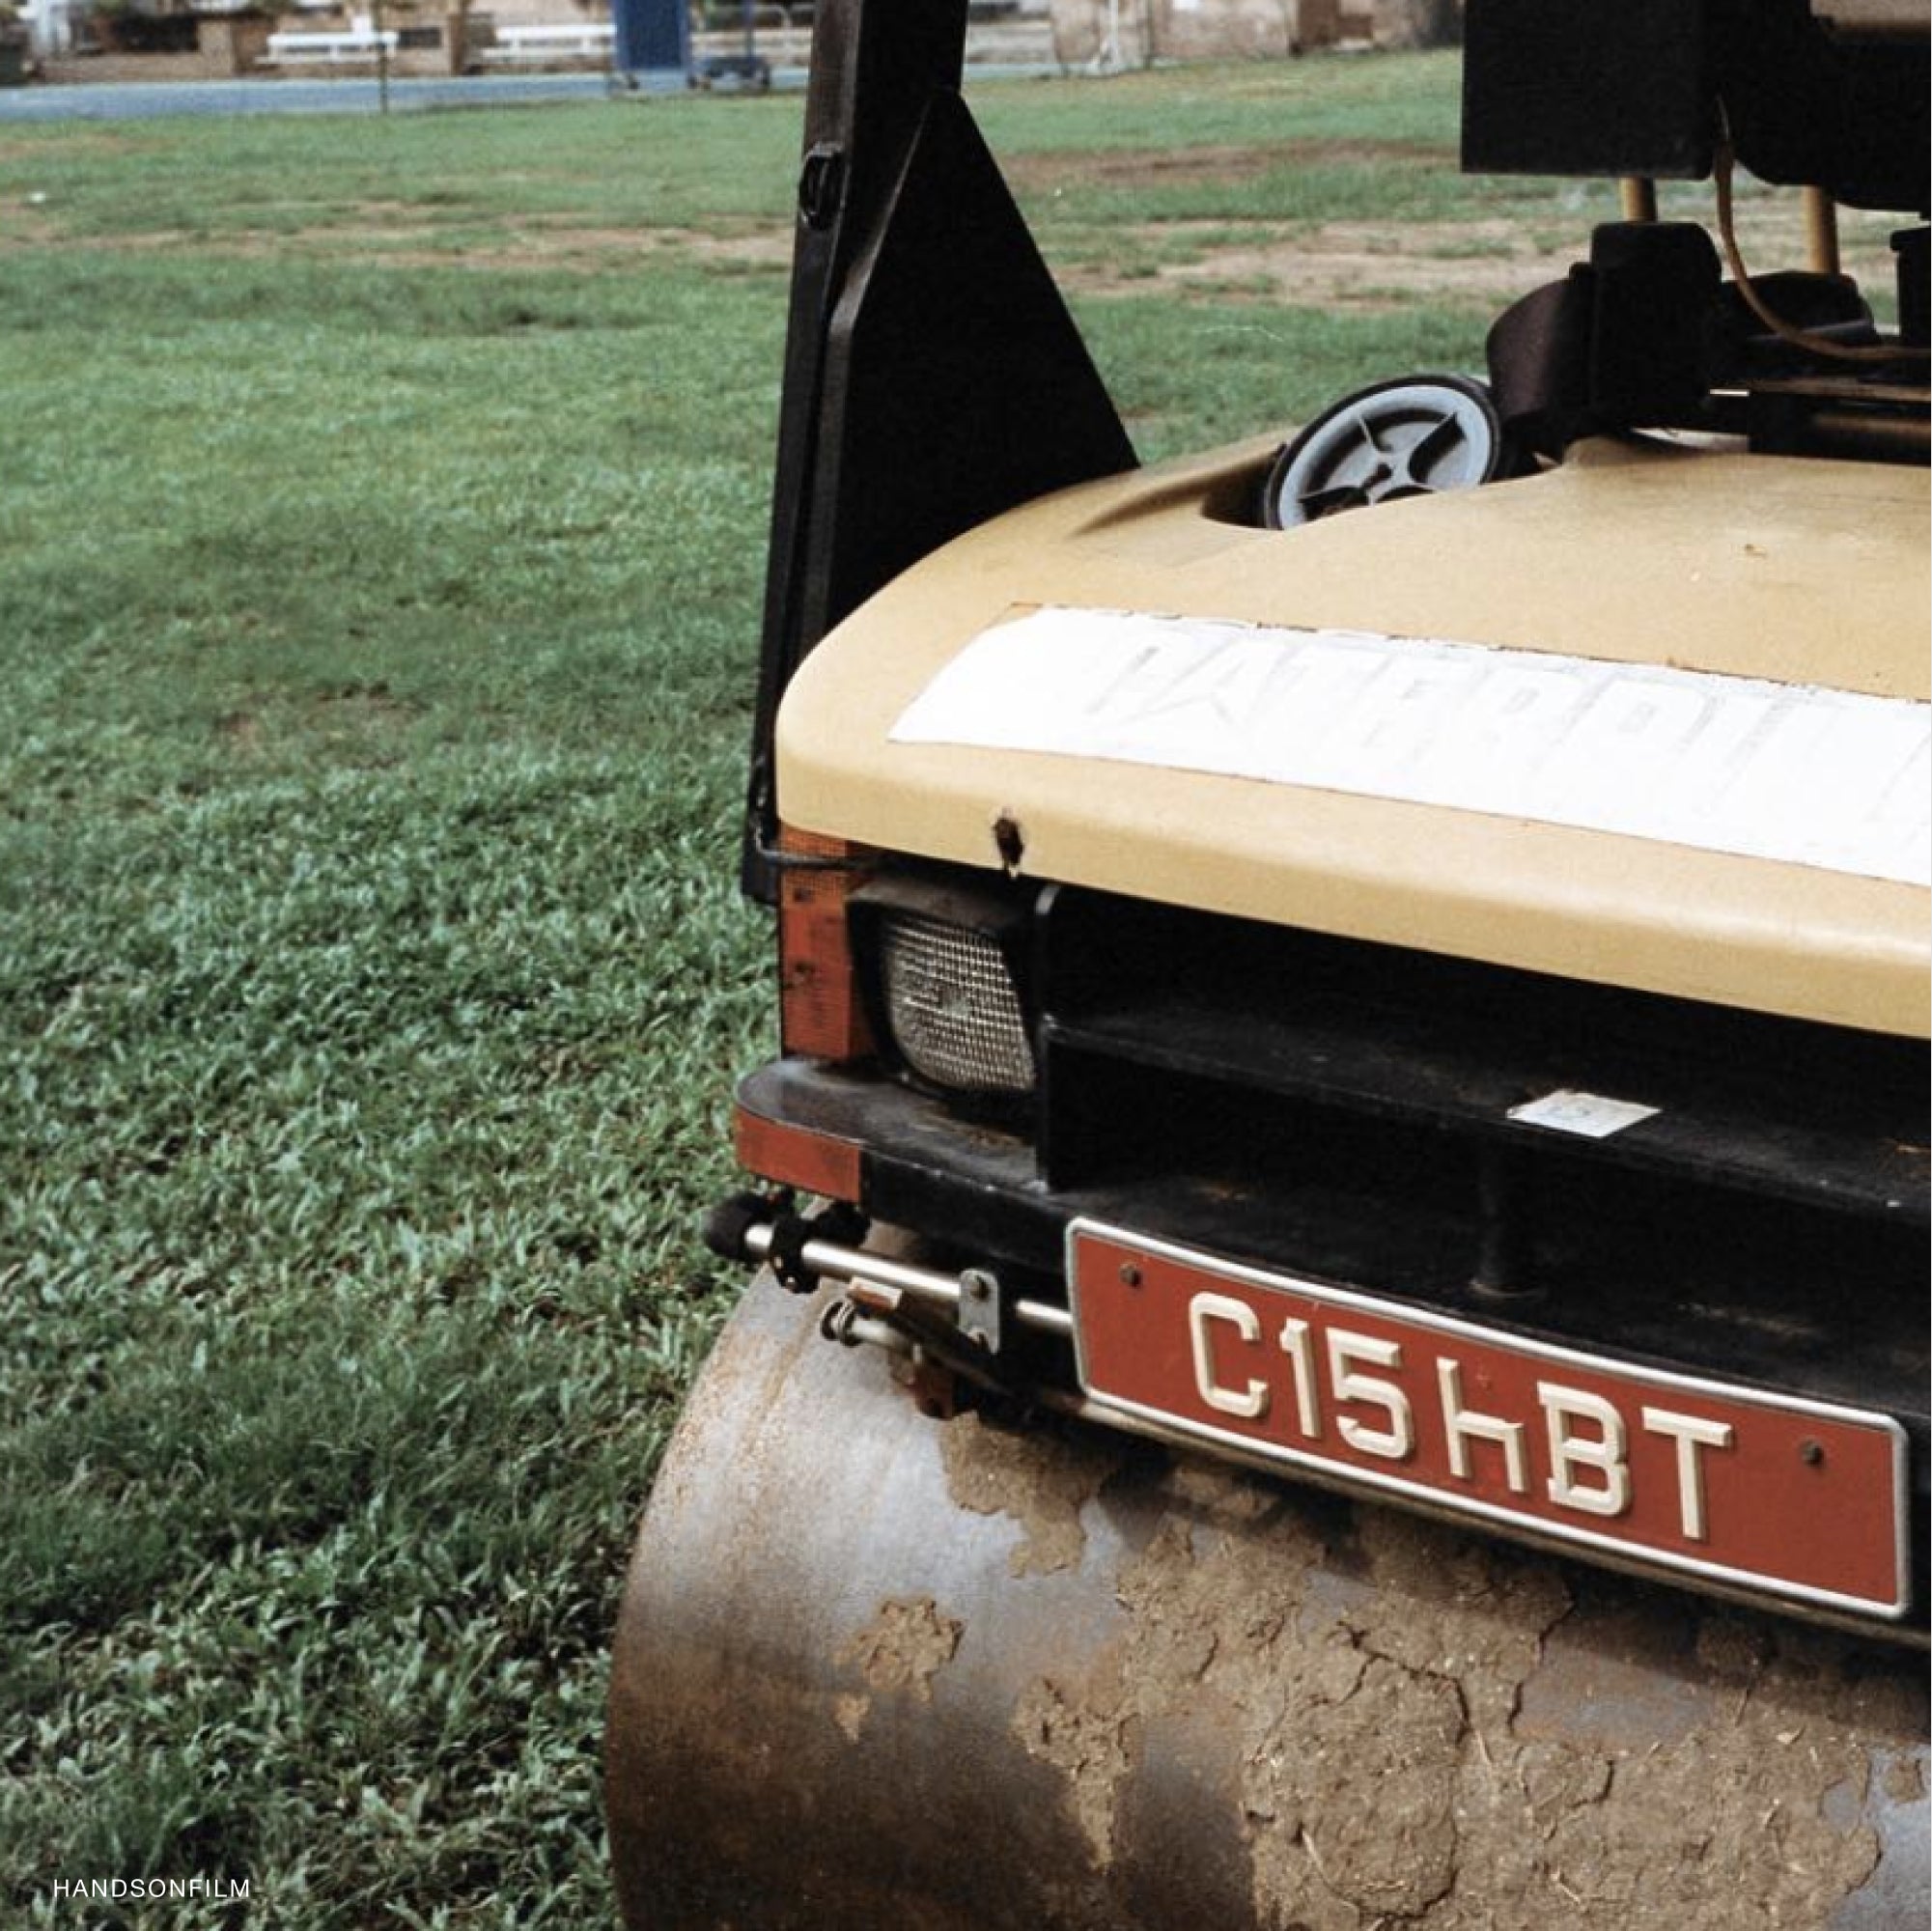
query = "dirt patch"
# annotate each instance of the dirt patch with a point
(1480, 264)
(1138, 168)
(765, 248)
(29, 224)
(1361, 265)
(1370, 267)
(378, 235)
(366, 707)
(992, 1472)
(240, 729)
(1087, 1740)
(353, 712)
(899, 1655)
(545, 243)
(78, 141)
(1433, 1731)
(906, 1648)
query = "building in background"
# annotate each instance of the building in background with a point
(1134, 33)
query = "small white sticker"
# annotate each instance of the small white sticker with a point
(1588, 1115)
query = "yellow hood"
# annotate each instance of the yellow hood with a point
(1730, 566)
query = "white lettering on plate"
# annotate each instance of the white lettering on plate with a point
(1586, 1436)
(1461, 1426)
(1307, 1404)
(1691, 1433)
(1346, 1352)
(1794, 773)
(1599, 1453)
(1248, 1404)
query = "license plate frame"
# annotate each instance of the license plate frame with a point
(1779, 1495)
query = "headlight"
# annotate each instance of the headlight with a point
(944, 959)
(951, 1006)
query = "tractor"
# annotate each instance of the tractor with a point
(1335, 1327)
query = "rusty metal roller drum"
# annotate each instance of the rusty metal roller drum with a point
(877, 1669)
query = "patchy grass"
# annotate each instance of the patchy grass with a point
(383, 513)
(371, 983)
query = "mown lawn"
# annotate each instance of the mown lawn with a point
(382, 513)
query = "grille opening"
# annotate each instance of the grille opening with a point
(1159, 967)
(1401, 1206)
(1791, 1110)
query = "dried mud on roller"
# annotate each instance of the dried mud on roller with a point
(875, 1668)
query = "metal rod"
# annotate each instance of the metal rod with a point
(1502, 1271)
(1045, 1318)
(862, 1330)
(1821, 231)
(1638, 196)
(1846, 432)
(918, 1284)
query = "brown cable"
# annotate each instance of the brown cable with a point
(1800, 338)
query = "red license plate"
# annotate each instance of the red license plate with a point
(1803, 1500)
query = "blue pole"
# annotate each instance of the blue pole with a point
(653, 38)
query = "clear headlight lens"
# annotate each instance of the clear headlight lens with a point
(952, 1006)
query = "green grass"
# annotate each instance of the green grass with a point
(1410, 101)
(1246, 366)
(660, 165)
(380, 541)
(377, 650)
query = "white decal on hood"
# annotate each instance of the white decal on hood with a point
(1827, 778)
